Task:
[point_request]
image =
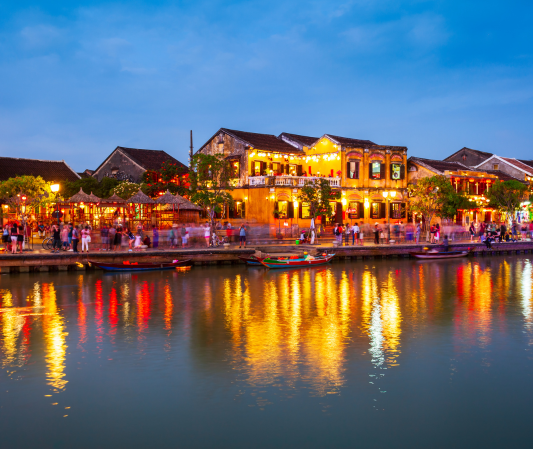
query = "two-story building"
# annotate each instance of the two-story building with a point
(270, 171)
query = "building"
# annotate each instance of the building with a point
(473, 181)
(129, 164)
(50, 171)
(469, 157)
(518, 169)
(270, 171)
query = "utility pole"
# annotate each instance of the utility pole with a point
(190, 153)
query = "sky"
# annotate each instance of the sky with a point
(78, 79)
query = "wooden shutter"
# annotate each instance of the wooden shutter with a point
(300, 209)
(243, 215)
(402, 171)
(276, 208)
(382, 210)
(348, 170)
(299, 170)
(370, 170)
(356, 174)
(231, 212)
(290, 210)
(270, 167)
(361, 210)
(403, 209)
(287, 169)
(382, 171)
(391, 208)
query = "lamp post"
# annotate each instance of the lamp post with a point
(55, 188)
(385, 194)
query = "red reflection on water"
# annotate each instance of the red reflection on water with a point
(113, 315)
(99, 312)
(144, 303)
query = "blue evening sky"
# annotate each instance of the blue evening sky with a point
(79, 78)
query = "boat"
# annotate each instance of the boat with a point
(135, 266)
(252, 260)
(438, 254)
(297, 262)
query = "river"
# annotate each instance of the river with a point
(370, 354)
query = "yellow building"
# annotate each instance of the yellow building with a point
(270, 170)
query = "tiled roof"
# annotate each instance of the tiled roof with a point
(519, 164)
(304, 140)
(265, 142)
(478, 152)
(530, 163)
(440, 166)
(502, 176)
(150, 159)
(348, 141)
(11, 167)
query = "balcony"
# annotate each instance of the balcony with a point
(288, 181)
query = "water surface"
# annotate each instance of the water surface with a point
(369, 354)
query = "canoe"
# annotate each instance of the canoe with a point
(134, 266)
(252, 261)
(297, 263)
(438, 254)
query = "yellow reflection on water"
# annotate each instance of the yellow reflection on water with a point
(55, 338)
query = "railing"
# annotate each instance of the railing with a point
(293, 181)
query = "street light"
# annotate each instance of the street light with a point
(385, 195)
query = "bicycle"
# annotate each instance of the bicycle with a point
(48, 244)
(217, 241)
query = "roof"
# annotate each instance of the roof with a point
(478, 152)
(519, 164)
(530, 163)
(304, 140)
(186, 204)
(140, 198)
(80, 197)
(11, 167)
(114, 199)
(439, 166)
(265, 142)
(348, 141)
(147, 159)
(502, 176)
(167, 198)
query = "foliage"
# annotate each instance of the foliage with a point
(37, 191)
(210, 182)
(102, 189)
(170, 177)
(318, 193)
(126, 189)
(435, 196)
(507, 196)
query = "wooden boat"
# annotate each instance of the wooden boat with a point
(438, 254)
(134, 266)
(298, 262)
(252, 260)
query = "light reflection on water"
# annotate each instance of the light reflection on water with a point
(265, 337)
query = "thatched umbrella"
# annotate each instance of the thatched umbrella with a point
(80, 197)
(115, 199)
(168, 199)
(186, 204)
(141, 198)
(93, 198)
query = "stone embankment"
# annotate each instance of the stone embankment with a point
(68, 261)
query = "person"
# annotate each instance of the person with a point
(138, 237)
(446, 243)
(397, 232)
(347, 233)
(377, 232)
(355, 234)
(383, 234)
(437, 233)
(312, 231)
(56, 236)
(337, 231)
(64, 237)
(13, 232)
(472, 231)
(229, 231)
(47, 229)
(207, 233)
(40, 229)
(118, 239)
(131, 238)
(5, 237)
(361, 233)
(70, 229)
(75, 238)
(146, 242)
(432, 232)
(111, 237)
(155, 236)
(104, 235)
(172, 239)
(418, 232)
(183, 231)
(185, 238)
(85, 238)
(242, 236)
(488, 240)
(20, 238)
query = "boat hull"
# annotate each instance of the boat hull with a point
(141, 266)
(296, 263)
(439, 255)
(252, 261)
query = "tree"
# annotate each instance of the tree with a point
(102, 189)
(318, 194)
(506, 196)
(27, 192)
(127, 189)
(170, 177)
(210, 182)
(435, 196)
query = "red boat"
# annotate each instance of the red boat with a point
(297, 262)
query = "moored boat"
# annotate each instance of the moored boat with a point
(438, 254)
(252, 260)
(298, 262)
(135, 266)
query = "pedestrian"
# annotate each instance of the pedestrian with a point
(472, 230)
(386, 228)
(437, 233)
(356, 230)
(111, 237)
(20, 238)
(207, 234)
(85, 238)
(5, 237)
(118, 239)
(242, 236)
(183, 231)
(418, 232)
(312, 232)
(40, 229)
(185, 238)
(131, 239)
(446, 243)
(155, 237)
(377, 232)
(13, 232)
(347, 233)
(75, 238)
(362, 233)
(64, 238)
(337, 231)
(104, 236)
(56, 236)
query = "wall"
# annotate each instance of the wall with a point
(128, 170)
(504, 167)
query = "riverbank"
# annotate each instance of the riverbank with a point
(69, 261)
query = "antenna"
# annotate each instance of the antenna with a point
(190, 153)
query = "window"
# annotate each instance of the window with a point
(257, 168)
(495, 166)
(352, 171)
(234, 166)
(238, 210)
(354, 209)
(306, 211)
(293, 170)
(375, 170)
(276, 167)
(396, 171)
(396, 210)
(375, 210)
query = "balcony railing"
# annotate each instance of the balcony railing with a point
(289, 181)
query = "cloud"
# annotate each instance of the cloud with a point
(39, 36)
